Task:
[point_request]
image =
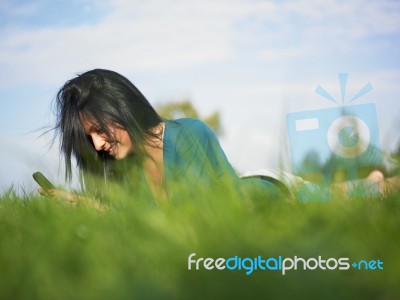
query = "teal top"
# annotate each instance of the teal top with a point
(193, 153)
(193, 156)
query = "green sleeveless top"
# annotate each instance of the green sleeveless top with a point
(194, 161)
(193, 154)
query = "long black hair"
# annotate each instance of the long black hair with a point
(106, 98)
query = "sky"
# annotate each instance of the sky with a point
(254, 61)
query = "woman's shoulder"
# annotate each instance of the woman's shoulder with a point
(186, 122)
(189, 126)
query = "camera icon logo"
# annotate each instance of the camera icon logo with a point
(348, 136)
(334, 144)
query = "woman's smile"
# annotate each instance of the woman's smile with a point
(119, 145)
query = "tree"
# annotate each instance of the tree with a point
(185, 109)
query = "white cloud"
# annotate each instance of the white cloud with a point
(158, 35)
(139, 37)
(309, 28)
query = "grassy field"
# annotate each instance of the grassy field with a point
(136, 250)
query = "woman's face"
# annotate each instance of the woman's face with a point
(119, 145)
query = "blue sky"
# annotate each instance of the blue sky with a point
(254, 61)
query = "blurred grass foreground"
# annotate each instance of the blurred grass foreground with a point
(136, 250)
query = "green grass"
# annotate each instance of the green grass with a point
(136, 250)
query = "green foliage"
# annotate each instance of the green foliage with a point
(136, 250)
(185, 108)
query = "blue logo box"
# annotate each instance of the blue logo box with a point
(333, 143)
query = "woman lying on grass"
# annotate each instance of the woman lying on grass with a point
(113, 133)
(116, 136)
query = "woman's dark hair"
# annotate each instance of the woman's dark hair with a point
(106, 98)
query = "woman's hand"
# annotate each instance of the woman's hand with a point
(60, 194)
(71, 198)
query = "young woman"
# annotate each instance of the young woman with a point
(111, 130)
(115, 135)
